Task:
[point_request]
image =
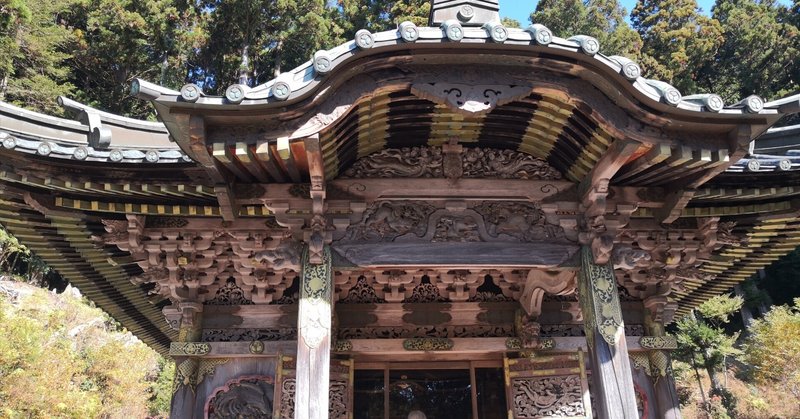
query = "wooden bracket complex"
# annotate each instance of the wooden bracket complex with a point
(593, 194)
(318, 233)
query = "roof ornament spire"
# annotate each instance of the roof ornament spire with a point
(466, 12)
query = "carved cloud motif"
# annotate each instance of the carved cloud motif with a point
(467, 98)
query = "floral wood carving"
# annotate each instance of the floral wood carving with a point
(229, 295)
(362, 293)
(250, 397)
(189, 348)
(428, 162)
(428, 344)
(315, 299)
(165, 222)
(598, 293)
(547, 397)
(287, 399)
(394, 332)
(248, 335)
(658, 342)
(425, 292)
(338, 400)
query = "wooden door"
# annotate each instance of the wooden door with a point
(341, 389)
(547, 386)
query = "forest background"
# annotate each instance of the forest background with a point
(90, 50)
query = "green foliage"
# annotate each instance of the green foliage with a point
(510, 23)
(703, 342)
(719, 309)
(773, 347)
(61, 358)
(758, 53)
(33, 69)
(678, 39)
(602, 19)
(380, 15)
(18, 261)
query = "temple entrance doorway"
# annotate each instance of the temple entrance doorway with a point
(429, 390)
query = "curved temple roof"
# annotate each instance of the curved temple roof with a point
(560, 100)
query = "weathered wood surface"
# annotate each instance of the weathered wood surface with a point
(456, 254)
(314, 340)
(669, 406)
(608, 347)
(611, 372)
(461, 346)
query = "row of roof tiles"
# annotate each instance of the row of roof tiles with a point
(296, 83)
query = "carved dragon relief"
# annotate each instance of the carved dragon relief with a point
(432, 162)
(403, 221)
(408, 232)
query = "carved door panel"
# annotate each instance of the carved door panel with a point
(548, 386)
(341, 389)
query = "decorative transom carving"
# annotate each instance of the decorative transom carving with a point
(429, 162)
(407, 221)
(249, 397)
(362, 293)
(559, 396)
(425, 292)
(229, 295)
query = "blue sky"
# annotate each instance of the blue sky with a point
(521, 9)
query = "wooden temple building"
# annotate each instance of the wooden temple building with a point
(452, 221)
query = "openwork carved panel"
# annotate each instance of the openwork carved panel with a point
(229, 295)
(406, 332)
(250, 397)
(551, 386)
(427, 285)
(248, 335)
(425, 292)
(340, 397)
(544, 397)
(362, 293)
(287, 398)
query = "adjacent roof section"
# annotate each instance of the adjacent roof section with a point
(94, 136)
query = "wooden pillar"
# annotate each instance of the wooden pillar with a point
(314, 339)
(605, 336)
(184, 383)
(669, 406)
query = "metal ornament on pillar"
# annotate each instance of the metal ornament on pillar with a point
(598, 291)
(315, 299)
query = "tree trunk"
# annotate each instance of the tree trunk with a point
(700, 384)
(278, 57)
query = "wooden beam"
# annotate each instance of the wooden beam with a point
(314, 338)
(674, 203)
(609, 164)
(605, 332)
